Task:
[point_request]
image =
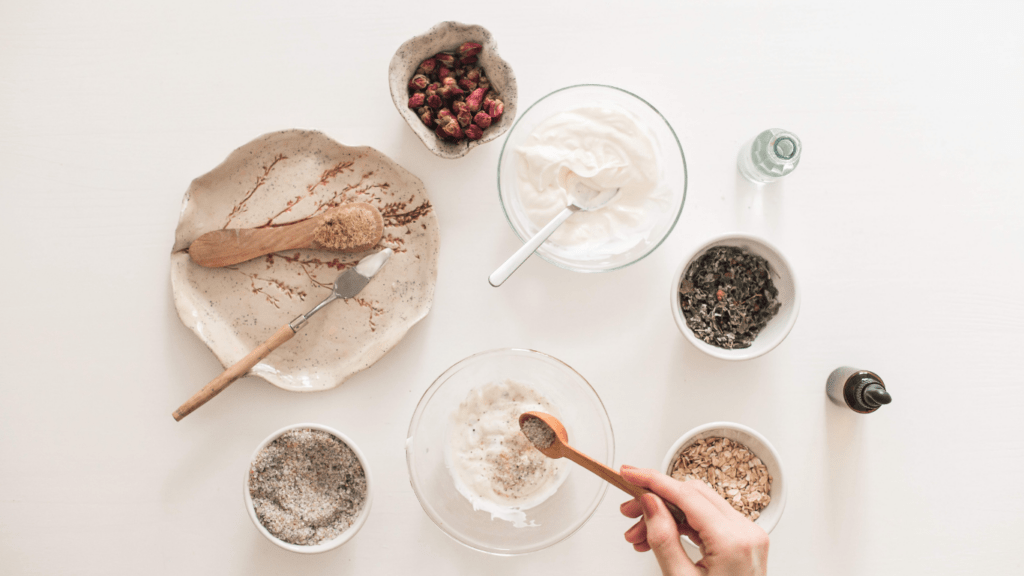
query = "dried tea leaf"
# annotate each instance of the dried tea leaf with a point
(728, 297)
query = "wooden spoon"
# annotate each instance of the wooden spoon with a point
(235, 245)
(560, 448)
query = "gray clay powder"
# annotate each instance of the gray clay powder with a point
(307, 487)
(539, 433)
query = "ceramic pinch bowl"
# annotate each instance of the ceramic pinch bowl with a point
(783, 278)
(758, 445)
(448, 36)
(345, 536)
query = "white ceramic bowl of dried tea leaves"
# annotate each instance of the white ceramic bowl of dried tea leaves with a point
(739, 463)
(308, 488)
(712, 320)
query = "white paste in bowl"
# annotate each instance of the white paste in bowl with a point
(607, 147)
(493, 464)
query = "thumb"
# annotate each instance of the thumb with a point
(663, 538)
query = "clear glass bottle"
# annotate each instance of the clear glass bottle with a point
(769, 156)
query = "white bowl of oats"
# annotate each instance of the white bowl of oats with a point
(739, 463)
(307, 488)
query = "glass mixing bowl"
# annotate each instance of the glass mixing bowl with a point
(671, 162)
(556, 518)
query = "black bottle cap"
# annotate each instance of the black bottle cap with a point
(875, 395)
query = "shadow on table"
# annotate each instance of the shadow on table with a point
(759, 206)
(844, 482)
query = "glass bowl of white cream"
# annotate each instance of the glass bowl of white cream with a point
(611, 138)
(475, 474)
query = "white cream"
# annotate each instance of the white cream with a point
(607, 147)
(370, 265)
(485, 447)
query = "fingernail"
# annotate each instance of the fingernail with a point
(628, 467)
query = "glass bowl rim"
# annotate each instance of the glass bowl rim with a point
(682, 156)
(429, 394)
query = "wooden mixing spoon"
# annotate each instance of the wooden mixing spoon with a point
(235, 245)
(559, 448)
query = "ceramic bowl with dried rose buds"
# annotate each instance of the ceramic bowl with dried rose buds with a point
(453, 88)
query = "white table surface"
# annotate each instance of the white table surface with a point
(903, 222)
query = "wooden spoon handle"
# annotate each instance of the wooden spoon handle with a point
(234, 245)
(236, 371)
(616, 479)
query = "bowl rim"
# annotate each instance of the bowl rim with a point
(429, 394)
(400, 98)
(736, 353)
(682, 156)
(330, 544)
(779, 488)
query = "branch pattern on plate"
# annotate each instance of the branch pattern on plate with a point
(396, 214)
(260, 181)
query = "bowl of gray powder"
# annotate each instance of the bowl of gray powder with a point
(307, 488)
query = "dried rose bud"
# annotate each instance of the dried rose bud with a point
(465, 118)
(496, 109)
(458, 73)
(482, 119)
(449, 81)
(432, 89)
(467, 60)
(427, 67)
(443, 72)
(434, 101)
(467, 84)
(445, 92)
(455, 92)
(473, 132)
(458, 106)
(444, 116)
(475, 99)
(469, 49)
(446, 58)
(440, 132)
(452, 130)
(427, 118)
(419, 82)
(474, 74)
(417, 100)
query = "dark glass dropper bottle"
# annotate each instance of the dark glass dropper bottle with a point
(859, 390)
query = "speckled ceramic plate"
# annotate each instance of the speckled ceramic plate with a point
(285, 177)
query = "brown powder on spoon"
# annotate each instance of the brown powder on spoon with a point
(355, 226)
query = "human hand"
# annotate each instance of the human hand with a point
(731, 545)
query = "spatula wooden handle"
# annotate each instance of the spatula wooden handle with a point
(234, 245)
(617, 480)
(234, 372)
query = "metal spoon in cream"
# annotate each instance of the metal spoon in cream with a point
(584, 199)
